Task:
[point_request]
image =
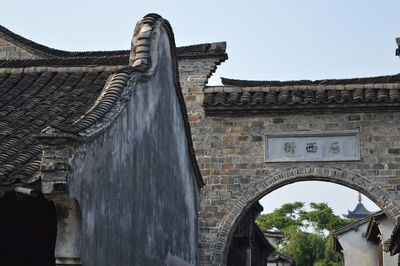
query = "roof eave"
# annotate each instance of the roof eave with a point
(356, 223)
(286, 109)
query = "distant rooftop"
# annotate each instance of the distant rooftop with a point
(359, 211)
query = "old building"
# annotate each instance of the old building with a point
(362, 242)
(104, 136)
(97, 164)
(252, 137)
(277, 258)
(249, 245)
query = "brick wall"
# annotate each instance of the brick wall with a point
(230, 152)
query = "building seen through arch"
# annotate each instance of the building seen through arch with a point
(376, 225)
(359, 211)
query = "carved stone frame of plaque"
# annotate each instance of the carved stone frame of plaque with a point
(312, 146)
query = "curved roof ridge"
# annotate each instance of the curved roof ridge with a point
(116, 93)
(360, 209)
(43, 51)
(109, 97)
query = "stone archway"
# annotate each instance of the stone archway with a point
(260, 188)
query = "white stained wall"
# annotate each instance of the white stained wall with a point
(279, 263)
(356, 249)
(386, 228)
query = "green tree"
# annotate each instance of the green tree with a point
(307, 237)
(304, 247)
(284, 217)
(321, 217)
(330, 257)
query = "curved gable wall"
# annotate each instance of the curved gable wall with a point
(128, 178)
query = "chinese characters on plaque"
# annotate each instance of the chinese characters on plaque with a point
(302, 147)
(289, 147)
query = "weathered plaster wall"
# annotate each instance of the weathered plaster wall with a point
(279, 263)
(386, 228)
(9, 50)
(230, 152)
(356, 249)
(135, 183)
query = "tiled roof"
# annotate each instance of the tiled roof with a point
(31, 101)
(65, 91)
(380, 92)
(276, 83)
(48, 56)
(277, 257)
(67, 61)
(45, 51)
(358, 223)
(202, 50)
(108, 58)
(359, 212)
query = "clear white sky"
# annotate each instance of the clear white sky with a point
(267, 39)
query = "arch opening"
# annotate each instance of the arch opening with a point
(341, 199)
(261, 188)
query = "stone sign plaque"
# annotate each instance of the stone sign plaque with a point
(305, 147)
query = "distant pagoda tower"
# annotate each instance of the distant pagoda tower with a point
(359, 211)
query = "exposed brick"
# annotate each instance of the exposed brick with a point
(277, 120)
(243, 138)
(257, 124)
(205, 172)
(394, 151)
(378, 166)
(393, 165)
(193, 118)
(227, 138)
(353, 117)
(227, 166)
(256, 138)
(190, 98)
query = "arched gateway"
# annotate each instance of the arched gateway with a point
(262, 187)
(253, 137)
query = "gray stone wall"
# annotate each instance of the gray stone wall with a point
(9, 50)
(230, 152)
